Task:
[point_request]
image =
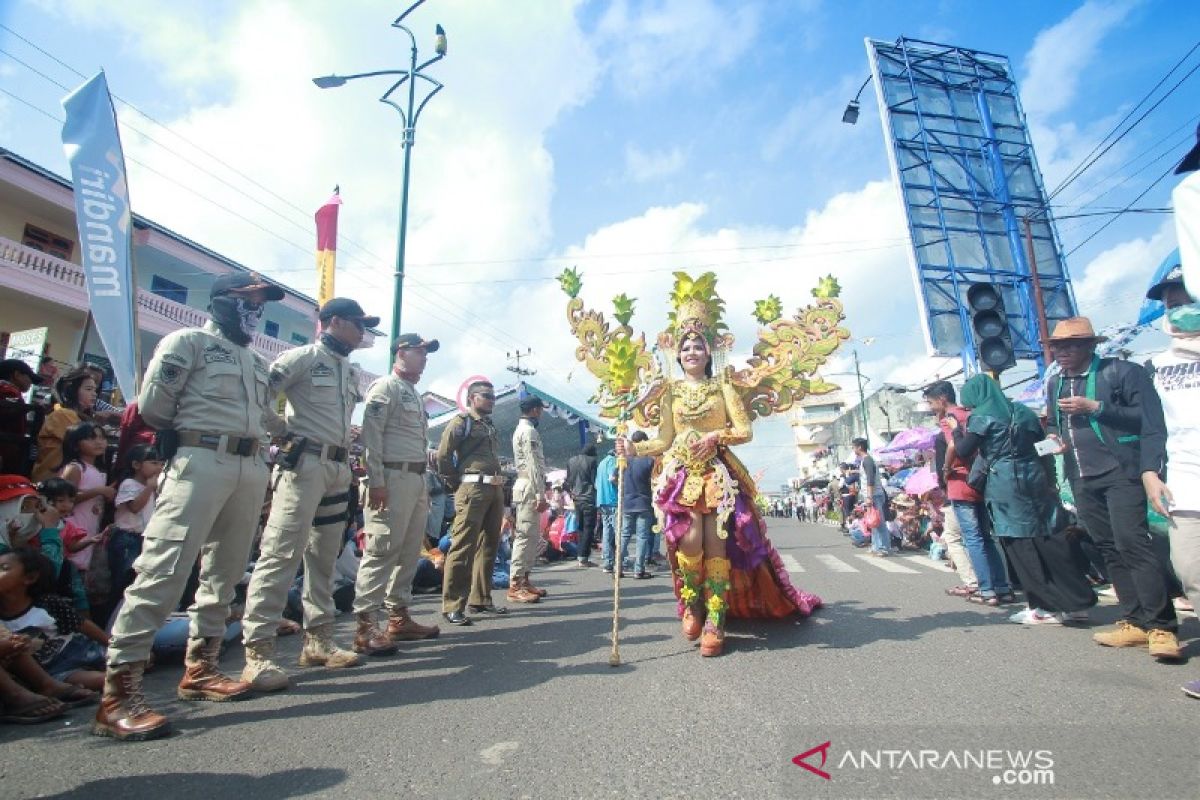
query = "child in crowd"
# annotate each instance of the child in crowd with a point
(58, 501)
(69, 647)
(134, 505)
(84, 446)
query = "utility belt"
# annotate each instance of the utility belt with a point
(244, 446)
(327, 451)
(490, 480)
(417, 467)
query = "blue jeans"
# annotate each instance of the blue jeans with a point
(881, 537)
(608, 540)
(641, 522)
(123, 549)
(981, 549)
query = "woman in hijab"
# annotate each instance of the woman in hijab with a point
(1022, 505)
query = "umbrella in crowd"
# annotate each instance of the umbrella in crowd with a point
(920, 482)
(912, 439)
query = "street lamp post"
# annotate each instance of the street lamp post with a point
(410, 112)
(862, 401)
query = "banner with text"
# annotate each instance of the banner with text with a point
(93, 147)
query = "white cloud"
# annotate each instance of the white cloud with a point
(642, 166)
(664, 43)
(1112, 285)
(1060, 54)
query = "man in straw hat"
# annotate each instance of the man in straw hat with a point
(1099, 408)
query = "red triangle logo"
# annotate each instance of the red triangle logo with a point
(823, 749)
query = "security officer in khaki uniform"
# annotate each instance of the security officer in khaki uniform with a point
(394, 431)
(529, 497)
(312, 492)
(206, 393)
(468, 458)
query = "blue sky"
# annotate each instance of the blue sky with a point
(630, 138)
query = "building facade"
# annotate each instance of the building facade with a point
(42, 282)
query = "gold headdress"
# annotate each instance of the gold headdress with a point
(780, 372)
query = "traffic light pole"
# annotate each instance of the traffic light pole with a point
(1039, 303)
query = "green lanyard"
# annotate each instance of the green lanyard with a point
(1089, 392)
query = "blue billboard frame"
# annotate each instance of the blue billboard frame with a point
(963, 163)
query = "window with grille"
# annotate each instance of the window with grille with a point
(271, 329)
(49, 243)
(168, 289)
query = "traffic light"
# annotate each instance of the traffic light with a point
(989, 324)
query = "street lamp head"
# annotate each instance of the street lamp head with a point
(329, 81)
(850, 115)
(439, 46)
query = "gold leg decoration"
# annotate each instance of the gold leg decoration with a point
(691, 574)
(716, 586)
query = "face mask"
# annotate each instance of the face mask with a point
(1185, 319)
(236, 317)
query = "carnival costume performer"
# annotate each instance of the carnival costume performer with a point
(723, 562)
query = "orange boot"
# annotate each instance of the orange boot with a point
(716, 586)
(691, 573)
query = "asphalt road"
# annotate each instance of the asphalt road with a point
(917, 695)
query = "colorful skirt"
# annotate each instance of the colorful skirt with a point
(760, 587)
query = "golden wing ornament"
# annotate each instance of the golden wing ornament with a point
(631, 384)
(782, 370)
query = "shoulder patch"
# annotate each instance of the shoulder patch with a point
(169, 374)
(174, 358)
(377, 407)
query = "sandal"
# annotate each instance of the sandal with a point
(43, 709)
(73, 696)
(983, 601)
(960, 591)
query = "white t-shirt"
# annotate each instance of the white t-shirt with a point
(1178, 383)
(33, 617)
(131, 520)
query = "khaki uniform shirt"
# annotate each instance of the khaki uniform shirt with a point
(200, 381)
(527, 452)
(322, 390)
(478, 448)
(394, 426)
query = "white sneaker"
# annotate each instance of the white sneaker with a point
(1035, 616)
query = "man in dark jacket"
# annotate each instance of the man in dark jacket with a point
(581, 485)
(1098, 408)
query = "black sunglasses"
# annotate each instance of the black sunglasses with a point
(486, 395)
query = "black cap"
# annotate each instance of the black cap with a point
(1174, 277)
(12, 366)
(242, 283)
(346, 308)
(529, 403)
(409, 341)
(1191, 161)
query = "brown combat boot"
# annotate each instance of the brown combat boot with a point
(539, 591)
(261, 671)
(518, 592)
(403, 628)
(201, 678)
(369, 640)
(123, 713)
(320, 650)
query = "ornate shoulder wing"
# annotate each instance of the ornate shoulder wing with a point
(631, 383)
(782, 370)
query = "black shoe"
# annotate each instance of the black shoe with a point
(586, 563)
(489, 609)
(643, 575)
(608, 570)
(456, 618)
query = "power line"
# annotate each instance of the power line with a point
(1092, 157)
(1117, 216)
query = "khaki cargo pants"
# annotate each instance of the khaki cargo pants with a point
(307, 522)
(475, 535)
(393, 544)
(208, 508)
(527, 531)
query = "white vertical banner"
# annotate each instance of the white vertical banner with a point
(93, 147)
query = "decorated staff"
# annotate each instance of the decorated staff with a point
(716, 538)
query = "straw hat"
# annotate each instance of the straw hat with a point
(1077, 329)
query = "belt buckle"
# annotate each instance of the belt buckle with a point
(245, 447)
(209, 440)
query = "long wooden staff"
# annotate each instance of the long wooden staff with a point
(614, 658)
